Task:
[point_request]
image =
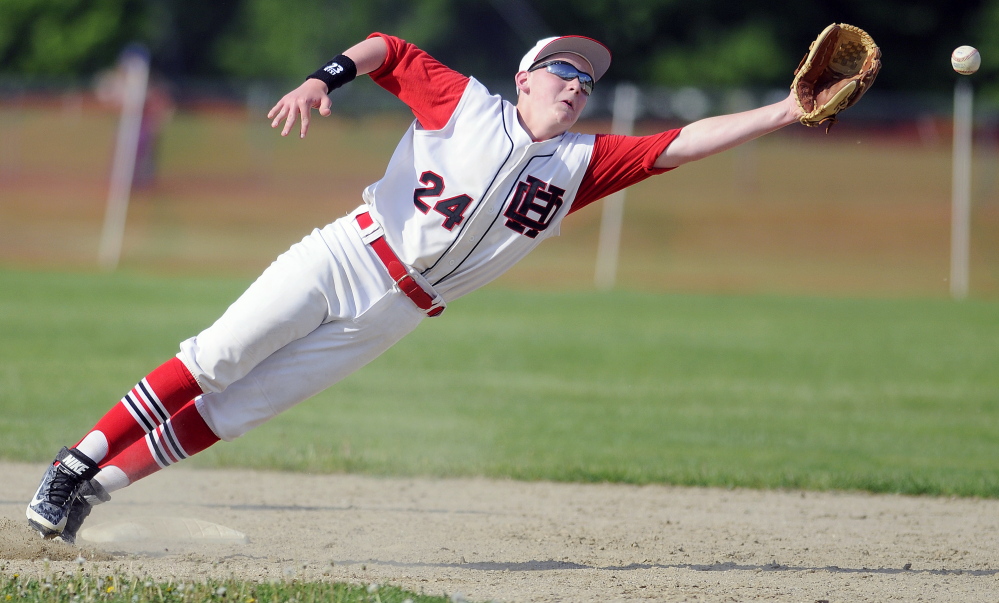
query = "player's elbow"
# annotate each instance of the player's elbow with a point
(679, 152)
(676, 155)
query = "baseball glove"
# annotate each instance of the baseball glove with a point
(840, 66)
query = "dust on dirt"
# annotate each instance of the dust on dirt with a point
(515, 541)
(18, 541)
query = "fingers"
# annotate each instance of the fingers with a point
(290, 111)
(283, 111)
(304, 110)
(297, 105)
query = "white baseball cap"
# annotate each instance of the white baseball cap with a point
(594, 52)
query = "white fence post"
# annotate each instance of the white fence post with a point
(608, 246)
(135, 68)
(960, 243)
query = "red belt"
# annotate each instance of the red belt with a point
(397, 270)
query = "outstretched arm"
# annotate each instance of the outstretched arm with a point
(716, 134)
(313, 94)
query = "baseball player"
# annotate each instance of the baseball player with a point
(474, 185)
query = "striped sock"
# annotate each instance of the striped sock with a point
(184, 435)
(148, 405)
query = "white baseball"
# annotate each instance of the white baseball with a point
(965, 60)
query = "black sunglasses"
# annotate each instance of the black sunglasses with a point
(567, 72)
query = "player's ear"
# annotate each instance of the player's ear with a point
(521, 81)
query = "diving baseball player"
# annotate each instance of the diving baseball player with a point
(474, 185)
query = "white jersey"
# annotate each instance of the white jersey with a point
(481, 194)
(467, 192)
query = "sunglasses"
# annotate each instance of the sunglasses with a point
(567, 72)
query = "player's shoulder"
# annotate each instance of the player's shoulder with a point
(578, 139)
(479, 90)
(477, 99)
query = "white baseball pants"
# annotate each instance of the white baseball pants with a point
(321, 311)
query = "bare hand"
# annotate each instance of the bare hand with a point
(312, 94)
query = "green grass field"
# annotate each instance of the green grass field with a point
(746, 391)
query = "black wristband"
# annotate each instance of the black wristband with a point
(341, 70)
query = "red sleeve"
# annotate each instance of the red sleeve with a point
(429, 88)
(618, 162)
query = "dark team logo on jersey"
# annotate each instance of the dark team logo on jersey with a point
(533, 206)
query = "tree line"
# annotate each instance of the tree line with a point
(713, 43)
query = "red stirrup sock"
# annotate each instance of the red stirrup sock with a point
(185, 434)
(150, 403)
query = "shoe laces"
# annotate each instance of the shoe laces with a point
(62, 488)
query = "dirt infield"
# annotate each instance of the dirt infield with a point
(513, 541)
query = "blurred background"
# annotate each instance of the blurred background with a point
(863, 210)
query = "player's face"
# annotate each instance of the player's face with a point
(561, 100)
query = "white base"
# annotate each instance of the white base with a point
(183, 529)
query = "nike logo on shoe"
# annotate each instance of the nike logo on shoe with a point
(37, 499)
(75, 465)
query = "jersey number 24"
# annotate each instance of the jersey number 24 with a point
(452, 208)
